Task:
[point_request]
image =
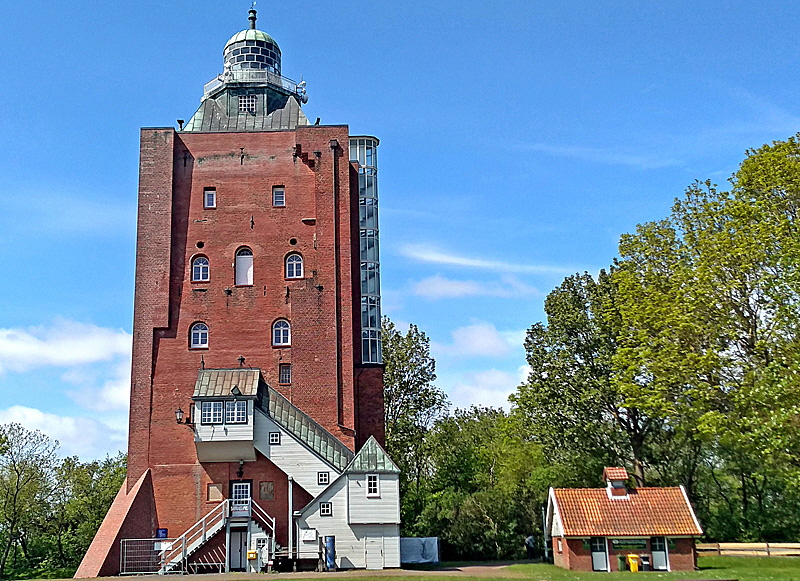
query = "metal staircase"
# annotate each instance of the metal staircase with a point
(174, 557)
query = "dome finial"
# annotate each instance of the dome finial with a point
(252, 17)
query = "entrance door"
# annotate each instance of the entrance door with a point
(238, 550)
(240, 499)
(658, 546)
(374, 553)
(599, 554)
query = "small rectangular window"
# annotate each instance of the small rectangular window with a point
(372, 485)
(325, 509)
(210, 198)
(285, 373)
(278, 196)
(236, 412)
(323, 478)
(247, 103)
(275, 438)
(211, 412)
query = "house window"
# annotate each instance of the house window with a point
(198, 337)
(278, 196)
(211, 412)
(236, 412)
(275, 438)
(325, 509)
(210, 197)
(247, 103)
(285, 373)
(372, 485)
(560, 546)
(294, 266)
(200, 272)
(244, 267)
(323, 478)
(281, 333)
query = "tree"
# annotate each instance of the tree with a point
(412, 403)
(26, 483)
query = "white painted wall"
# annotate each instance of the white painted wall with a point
(291, 456)
(383, 509)
(224, 432)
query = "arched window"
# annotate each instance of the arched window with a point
(294, 266)
(281, 333)
(200, 269)
(198, 336)
(244, 267)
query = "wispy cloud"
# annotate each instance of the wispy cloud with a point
(605, 156)
(101, 387)
(489, 388)
(480, 339)
(84, 437)
(440, 287)
(427, 253)
(62, 344)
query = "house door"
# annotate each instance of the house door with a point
(658, 546)
(240, 499)
(374, 553)
(599, 554)
(238, 549)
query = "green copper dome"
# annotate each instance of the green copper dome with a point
(251, 34)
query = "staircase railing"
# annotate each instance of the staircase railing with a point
(266, 520)
(177, 552)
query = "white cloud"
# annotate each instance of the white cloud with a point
(113, 394)
(489, 388)
(605, 156)
(84, 437)
(439, 287)
(428, 253)
(480, 339)
(63, 344)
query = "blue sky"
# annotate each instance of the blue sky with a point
(519, 139)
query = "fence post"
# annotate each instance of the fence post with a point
(719, 551)
(768, 555)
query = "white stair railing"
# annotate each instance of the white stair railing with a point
(177, 552)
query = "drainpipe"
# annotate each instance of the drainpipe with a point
(291, 517)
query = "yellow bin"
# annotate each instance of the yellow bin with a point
(251, 555)
(633, 563)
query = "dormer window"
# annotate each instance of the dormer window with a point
(236, 412)
(211, 412)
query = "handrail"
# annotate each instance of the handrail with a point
(177, 550)
(264, 517)
(254, 76)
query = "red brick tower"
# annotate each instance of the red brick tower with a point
(256, 300)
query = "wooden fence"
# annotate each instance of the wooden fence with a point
(750, 549)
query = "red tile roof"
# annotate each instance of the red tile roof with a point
(614, 474)
(588, 512)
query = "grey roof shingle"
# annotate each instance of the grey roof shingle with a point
(372, 458)
(220, 382)
(212, 116)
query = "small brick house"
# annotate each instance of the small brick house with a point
(590, 527)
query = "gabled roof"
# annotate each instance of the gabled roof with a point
(614, 474)
(220, 382)
(586, 512)
(372, 458)
(297, 423)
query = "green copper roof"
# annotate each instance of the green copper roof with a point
(372, 458)
(250, 34)
(320, 440)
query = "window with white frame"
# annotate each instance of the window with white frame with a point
(244, 267)
(294, 266)
(210, 197)
(200, 271)
(211, 412)
(247, 103)
(323, 478)
(236, 412)
(325, 509)
(275, 438)
(198, 336)
(278, 196)
(281, 333)
(285, 373)
(373, 488)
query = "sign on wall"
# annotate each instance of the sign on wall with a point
(629, 544)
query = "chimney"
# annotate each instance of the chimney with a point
(615, 482)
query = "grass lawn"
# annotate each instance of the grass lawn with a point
(711, 567)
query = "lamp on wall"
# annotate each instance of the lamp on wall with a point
(240, 471)
(179, 415)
